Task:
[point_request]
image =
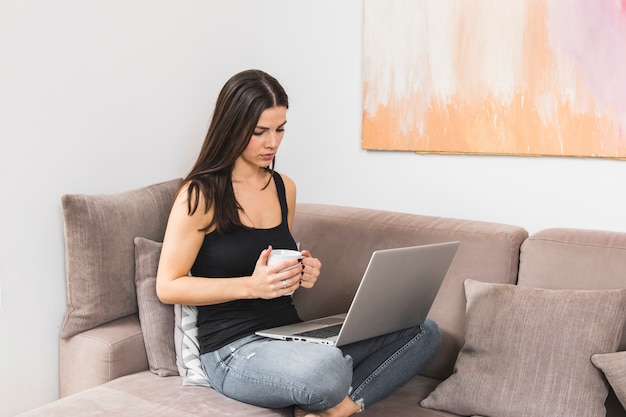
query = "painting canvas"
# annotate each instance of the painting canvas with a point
(521, 77)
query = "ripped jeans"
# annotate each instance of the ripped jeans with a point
(276, 374)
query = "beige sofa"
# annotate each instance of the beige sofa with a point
(508, 349)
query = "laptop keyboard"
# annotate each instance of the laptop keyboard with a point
(322, 333)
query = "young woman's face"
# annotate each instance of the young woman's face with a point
(266, 138)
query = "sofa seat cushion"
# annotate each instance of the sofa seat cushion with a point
(145, 394)
(405, 401)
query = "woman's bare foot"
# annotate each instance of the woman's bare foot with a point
(298, 412)
(345, 408)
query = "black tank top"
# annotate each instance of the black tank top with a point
(234, 255)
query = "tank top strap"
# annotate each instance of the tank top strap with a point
(282, 198)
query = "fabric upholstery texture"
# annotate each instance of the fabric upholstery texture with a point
(99, 234)
(614, 367)
(518, 358)
(98, 355)
(574, 259)
(144, 394)
(156, 318)
(345, 237)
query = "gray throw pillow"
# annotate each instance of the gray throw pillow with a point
(528, 351)
(156, 318)
(614, 367)
(100, 254)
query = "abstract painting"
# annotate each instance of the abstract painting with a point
(516, 77)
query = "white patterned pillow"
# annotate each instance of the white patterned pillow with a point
(187, 346)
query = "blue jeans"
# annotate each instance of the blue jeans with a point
(275, 373)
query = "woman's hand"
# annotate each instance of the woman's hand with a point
(276, 280)
(310, 270)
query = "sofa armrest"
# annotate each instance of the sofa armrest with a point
(102, 354)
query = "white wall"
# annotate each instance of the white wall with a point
(104, 96)
(95, 97)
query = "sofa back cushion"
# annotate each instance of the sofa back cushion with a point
(574, 259)
(344, 239)
(100, 253)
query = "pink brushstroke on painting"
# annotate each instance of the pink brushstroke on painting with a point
(593, 34)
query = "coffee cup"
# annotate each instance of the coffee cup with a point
(281, 255)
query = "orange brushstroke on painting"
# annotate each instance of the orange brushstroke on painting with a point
(490, 128)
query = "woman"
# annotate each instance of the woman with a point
(231, 210)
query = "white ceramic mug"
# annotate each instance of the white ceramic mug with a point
(281, 255)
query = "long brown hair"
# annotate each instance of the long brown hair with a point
(240, 103)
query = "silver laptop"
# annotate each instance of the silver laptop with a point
(396, 292)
